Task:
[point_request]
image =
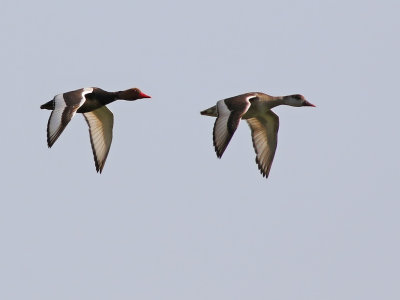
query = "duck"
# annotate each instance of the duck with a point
(91, 102)
(255, 108)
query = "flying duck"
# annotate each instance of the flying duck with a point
(255, 108)
(91, 102)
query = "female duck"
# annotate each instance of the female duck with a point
(255, 108)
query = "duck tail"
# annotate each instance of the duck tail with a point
(48, 105)
(212, 111)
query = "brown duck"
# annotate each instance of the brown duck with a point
(255, 108)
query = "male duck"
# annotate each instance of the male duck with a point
(91, 102)
(255, 108)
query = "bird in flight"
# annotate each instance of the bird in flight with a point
(255, 108)
(91, 102)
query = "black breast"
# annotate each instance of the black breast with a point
(96, 99)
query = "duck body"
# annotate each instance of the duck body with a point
(236, 103)
(255, 108)
(94, 98)
(91, 102)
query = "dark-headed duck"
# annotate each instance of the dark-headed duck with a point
(255, 108)
(91, 102)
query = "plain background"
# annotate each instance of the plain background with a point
(167, 219)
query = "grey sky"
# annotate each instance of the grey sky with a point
(167, 219)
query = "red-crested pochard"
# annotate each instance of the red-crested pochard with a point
(255, 108)
(91, 102)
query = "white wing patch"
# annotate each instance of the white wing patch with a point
(221, 134)
(230, 112)
(100, 122)
(250, 97)
(54, 127)
(61, 115)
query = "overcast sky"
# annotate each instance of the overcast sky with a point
(167, 219)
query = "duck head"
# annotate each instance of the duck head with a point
(296, 100)
(132, 94)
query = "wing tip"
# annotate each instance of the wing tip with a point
(218, 151)
(219, 154)
(264, 173)
(99, 166)
(50, 141)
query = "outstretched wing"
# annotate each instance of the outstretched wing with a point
(230, 111)
(264, 132)
(100, 122)
(65, 107)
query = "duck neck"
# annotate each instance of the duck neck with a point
(111, 98)
(104, 97)
(121, 95)
(276, 101)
